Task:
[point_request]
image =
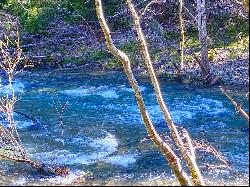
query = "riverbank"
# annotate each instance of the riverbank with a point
(64, 45)
(78, 46)
(232, 73)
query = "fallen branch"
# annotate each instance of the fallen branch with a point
(237, 107)
(40, 167)
(201, 145)
(147, 7)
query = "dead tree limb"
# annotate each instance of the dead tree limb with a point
(200, 145)
(147, 7)
(40, 167)
(173, 160)
(191, 15)
(237, 107)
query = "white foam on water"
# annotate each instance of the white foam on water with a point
(214, 124)
(127, 89)
(178, 116)
(53, 157)
(20, 121)
(109, 143)
(20, 182)
(213, 102)
(103, 91)
(202, 106)
(66, 180)
(76, 92)
(109, 94)
(188, 109)
(19, 124)
(210, 106)
(103, 147)
(122, 160)
(181, 110)
(24, 124)
(154, 111)
(46, 90)
(63, 157)
(17, 86)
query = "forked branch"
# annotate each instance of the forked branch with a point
(189, 158)
(164, 147)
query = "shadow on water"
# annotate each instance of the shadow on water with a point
(102, 129)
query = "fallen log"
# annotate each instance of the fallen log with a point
(39, 166)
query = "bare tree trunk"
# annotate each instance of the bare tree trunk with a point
(164, 147)
(182, 32)
(189, 158)
(202, 28)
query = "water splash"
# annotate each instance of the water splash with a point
(72, 178)
(122, 160)
(103, 147)
(17, 86)
(103, 91)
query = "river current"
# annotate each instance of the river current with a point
(90, 122)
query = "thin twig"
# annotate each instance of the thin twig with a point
(237, 107)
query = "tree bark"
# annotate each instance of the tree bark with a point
(189, 158)
(246, 5)
(202, 28)
(173, 160)
(182, 33)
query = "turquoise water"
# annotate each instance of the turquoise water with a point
(102, 129)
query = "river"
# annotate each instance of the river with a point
(100, 130)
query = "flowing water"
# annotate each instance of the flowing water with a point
(102, 128)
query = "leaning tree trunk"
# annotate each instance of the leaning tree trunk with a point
(173, 160)
(189, 158)
(202, 28)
